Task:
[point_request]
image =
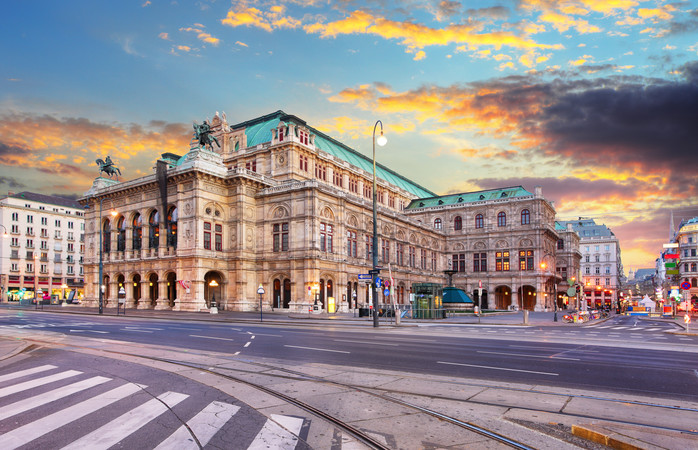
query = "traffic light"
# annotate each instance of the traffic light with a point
(579, 289)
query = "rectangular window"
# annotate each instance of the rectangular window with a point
(280, 237)
(70, 247)
(368, 191)
(15, 217)
(337, 179)
(526, 259)
(30, 231)
(433, 261)
(207, 235)
(369, 247)
(251, 165)
(218, 238)
(385, 250)
(502, 261)
(303, 163)
(326, 237)
(400, 254)
(459, 262)
(479, 262)
(320, 172)
(423, 259)
(351, 243)
(30, 219)
(411, 256)
(70, 225)
(353, 185)
(379, 197)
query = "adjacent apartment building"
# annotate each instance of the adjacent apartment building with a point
(42, 247)
(601, 266)
(687, 238)
(283, 206)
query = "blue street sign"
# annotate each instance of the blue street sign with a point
(364, 276)
(378, 282)
(386, 292)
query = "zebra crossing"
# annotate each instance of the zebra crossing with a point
(641, 328)
(26, 418)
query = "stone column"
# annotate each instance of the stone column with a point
(162, 301)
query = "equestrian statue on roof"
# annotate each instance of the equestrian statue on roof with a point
(202, 133)
(108, 167)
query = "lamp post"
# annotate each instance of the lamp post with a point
(374, 273)
(260, 291)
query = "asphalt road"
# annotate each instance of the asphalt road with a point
(619, 355)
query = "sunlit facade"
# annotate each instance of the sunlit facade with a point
(283, 206)
(687, 238)
(42, 247)
(601, 266)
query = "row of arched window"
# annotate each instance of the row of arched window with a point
(137, 231)
(480, 220)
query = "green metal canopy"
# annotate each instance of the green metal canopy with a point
(455, 295)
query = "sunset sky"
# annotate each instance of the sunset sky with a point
(594, 100)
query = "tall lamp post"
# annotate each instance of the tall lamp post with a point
(374, 273)
(102, 287)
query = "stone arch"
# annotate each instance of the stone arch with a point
(400, 235)
(479, 245)
(279, 212)
(214, 210)
(413, 238)
(386, 231)
(459, 247)
(525, 243)
(352, 221)
(327, 213)
(502, 243)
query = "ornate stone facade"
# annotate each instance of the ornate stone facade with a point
(284, 206)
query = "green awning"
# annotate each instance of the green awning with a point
(455, 295)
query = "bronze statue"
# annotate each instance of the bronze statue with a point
(108, 167)
(203, 134)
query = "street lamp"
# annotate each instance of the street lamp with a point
(382, 140)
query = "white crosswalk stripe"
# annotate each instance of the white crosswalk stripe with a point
(15, 388)
(48, 397)
(204, 426)
(278, 432)
(113, 432)
(29, 432)
(22, 373)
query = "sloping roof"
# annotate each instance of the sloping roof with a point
(469, 197)
(455, 295)
(588, 228)
(48, 199)
(258, 131)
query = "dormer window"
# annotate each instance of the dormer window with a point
(303, 137)
(482, 197)
(504, 194)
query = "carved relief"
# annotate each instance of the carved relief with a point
(189, 185)
(188, 208)
(280, 212)
(502, 244)
(459, 247)
(479, 246)
(249, 213)
(249, 240)
(526, 243)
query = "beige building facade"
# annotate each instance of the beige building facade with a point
(283, 206)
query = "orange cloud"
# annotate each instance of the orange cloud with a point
(275, 18)
(202, 35)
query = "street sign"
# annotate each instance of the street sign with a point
(685, 285)
(365, 276)
(571, 292)
(378, 282)
(686, 319)
(386, 292)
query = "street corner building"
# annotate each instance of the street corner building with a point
(281, 205)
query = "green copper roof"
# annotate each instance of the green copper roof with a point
(455, 295)
(469, 197)
(258, 131)
(559, 226)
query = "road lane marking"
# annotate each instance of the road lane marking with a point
(278, 432)
(528, 356)
(247, 344)
(110, 434)
(137, 331)
(29, 432)
(48, 397)
(211, 337)
(88, 331)
(366, 342)
(498, 368)
(22, 373)
(147, 328)
(318, 349)
(203, 426)
(38, 382)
